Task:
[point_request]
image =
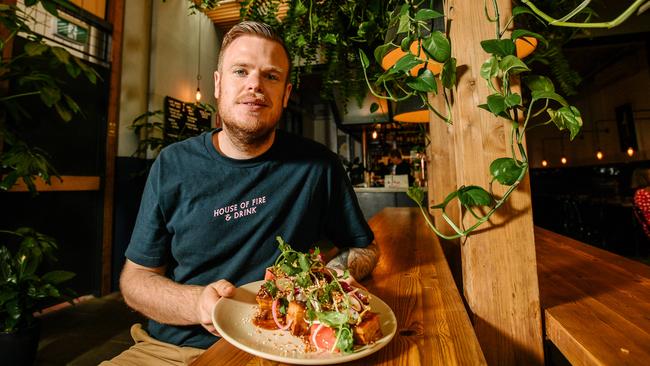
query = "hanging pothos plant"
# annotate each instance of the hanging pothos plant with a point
(324, 36)
(539, 99)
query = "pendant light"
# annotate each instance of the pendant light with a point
(198, 68)
(599, 152)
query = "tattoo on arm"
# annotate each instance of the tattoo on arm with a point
(359, 261)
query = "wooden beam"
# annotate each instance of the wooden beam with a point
(116, 18)
(64, 183)
(499, 266)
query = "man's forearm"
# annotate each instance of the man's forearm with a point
(359, 261)
(158, 297)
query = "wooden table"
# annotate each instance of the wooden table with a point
(414, 279)
(596, 304)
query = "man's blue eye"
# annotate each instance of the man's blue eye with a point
(239, 72)
(273, 77)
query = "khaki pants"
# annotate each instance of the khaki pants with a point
(148, 351)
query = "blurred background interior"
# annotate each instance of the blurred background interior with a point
(168, 54)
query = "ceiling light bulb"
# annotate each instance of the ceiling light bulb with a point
(563, 160)
(544, 163)
(630, 151)
(599, 155)
(198, 94)
(374, 135)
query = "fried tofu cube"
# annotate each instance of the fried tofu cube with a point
(265, 305)
(369, 330)
(296, 316)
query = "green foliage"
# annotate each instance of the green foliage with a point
(149, 128)
(35, 70)
(23, 286)
(498, 71)
(324, 36)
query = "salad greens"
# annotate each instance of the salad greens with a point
(328, 300)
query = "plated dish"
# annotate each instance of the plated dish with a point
(233, 319)
(304, 312)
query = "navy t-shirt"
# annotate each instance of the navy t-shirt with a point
(208, 217)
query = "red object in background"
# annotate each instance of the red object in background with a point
(642, 209)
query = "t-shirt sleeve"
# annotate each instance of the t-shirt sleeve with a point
(346, 226)
(150, 239)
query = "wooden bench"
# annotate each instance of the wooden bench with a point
(596, 304)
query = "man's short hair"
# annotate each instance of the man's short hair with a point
(251, 28)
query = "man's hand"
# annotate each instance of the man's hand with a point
(208, 298)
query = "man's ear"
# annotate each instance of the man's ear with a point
(217, 78)
(287, 94)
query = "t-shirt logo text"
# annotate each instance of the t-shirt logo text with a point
(244, 208)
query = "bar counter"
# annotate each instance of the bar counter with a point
(414, 279)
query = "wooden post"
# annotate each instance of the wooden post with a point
(116, 18)
(499, 266)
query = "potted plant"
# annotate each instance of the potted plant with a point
(24, 290)
(28, 75)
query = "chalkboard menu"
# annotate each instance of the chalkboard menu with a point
(185, 119)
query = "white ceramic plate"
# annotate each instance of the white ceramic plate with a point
(233, 319)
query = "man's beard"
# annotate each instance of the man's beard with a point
(247, 135)
(244, 136)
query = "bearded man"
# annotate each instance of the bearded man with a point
(214, 204)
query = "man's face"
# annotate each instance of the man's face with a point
(251, 88)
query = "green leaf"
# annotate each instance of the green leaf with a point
(405, 44)
(425, 82)
(300, 9)
(63, 112)
(56, 277)
(416, 194)
(437, 46)
(518, 10)
(333, 318)
(404, 23)
(374, 107)
(72, 70)
(381, 51)
(61, 54)
(448, 76)
(329, 38)
(345, 340)
(499, 47)
(518, 33)
(512, 65)
(35, 48)
(506, 171)
(474, 196)
(490, 68)
(538, 83)
(567, 117)
(74, 107)
(406, 63)
(50, 96)
(513, 100)
(364, 59)
(50, 6)
(426, 14)
(496, 103)
(543, 94)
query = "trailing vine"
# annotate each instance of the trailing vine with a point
(539, 100)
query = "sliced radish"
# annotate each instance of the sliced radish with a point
(274, 308)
